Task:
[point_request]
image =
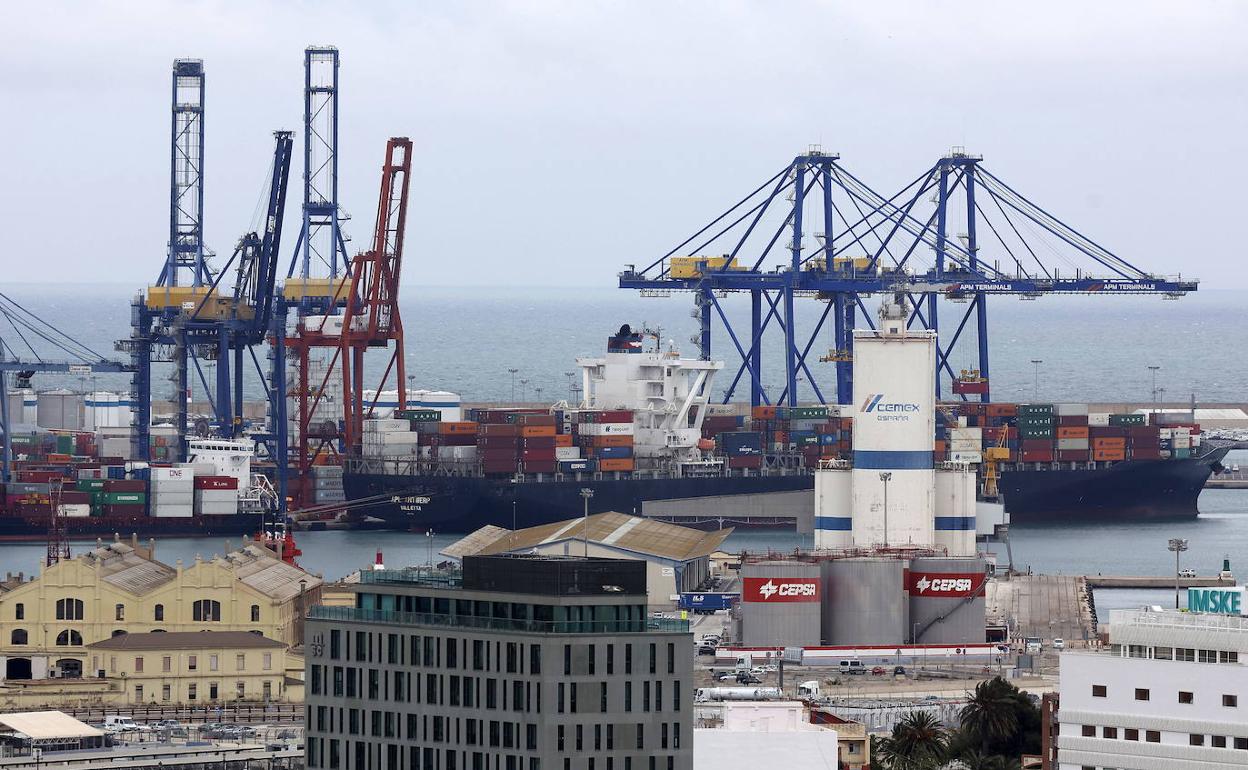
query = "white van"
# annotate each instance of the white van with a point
(116, 723)
(852, 667)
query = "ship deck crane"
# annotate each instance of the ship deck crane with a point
(870, 244)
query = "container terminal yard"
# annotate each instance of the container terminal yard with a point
(904, 471)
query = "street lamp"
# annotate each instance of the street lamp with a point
(1154, 370)
(571, 384)
(886, 477)
(538, 390)
(586, 493)
(1035, 394)
(512, 372)
(1178, 545)
(523, 383)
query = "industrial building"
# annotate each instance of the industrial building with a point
(677, 558)
(894, 494)
(1165, 693)
(47, 622)
(757, 733)
(519, 662)
(852, 599)
(21, 733)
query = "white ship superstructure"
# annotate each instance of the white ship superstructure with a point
(668, 394)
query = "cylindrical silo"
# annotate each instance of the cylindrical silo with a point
(833, 508)
(865, 602)
(60, 410)
(947, 600)
(955, 510)
(894, 429)
(780, 604)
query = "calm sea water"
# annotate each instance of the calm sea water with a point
(465, 340)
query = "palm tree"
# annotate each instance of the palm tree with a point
(990, 714)
(918, 742)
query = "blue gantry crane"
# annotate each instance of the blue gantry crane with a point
(192, 313)
(910, 243)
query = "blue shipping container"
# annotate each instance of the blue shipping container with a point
(741, 443)
(576, 466)
(614, 452)
(707, 603)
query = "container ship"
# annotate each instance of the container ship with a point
(646, 439)
(62, 482)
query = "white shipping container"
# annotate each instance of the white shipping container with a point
(966, 457)
(218, 509)
(567, 453)
(172, 511)
(968, 433)
(386, 426)
(606, 429)
(172, 498)
(965, 445)
(75, 510)
(1181, 442)
(395, 439)
(1098, 418)
(172, 474)
(1070, 410)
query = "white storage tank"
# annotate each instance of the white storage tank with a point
(60, 410)
(894, 426)
(23, 407)
(955, 510)
(448, 403)
(102, 409)
(833, 508)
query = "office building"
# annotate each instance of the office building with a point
(516, 663)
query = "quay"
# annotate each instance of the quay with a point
(1156, 581)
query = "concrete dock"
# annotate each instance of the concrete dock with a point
(1154, 581)
(1047, 606)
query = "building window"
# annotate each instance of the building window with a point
(1137, 651)
(120, 632)
(1109, 732)
(535, 658)
(610, 659)
(1208, 656)
(1230, 656)
(1152, 736)
(1185, 697)
(158, 613)
(671, 658)
(119, 612)
(654, 653)
(1131, 734)
(1195, 739)
(191, 691)
(240, 662)
(1241, 743)
(192, 662)
(1098, 691)
(213, 690)
(1089, 731)
(266, 690)
(1217, 741)
(567, 660)
(240, 690)
(1141, 693)
(19, 611)
(255, 613)
(138, 664)
(166, 692)
(213, 662)
(1230, 701)
(69, 609)
(69, 638)
(166, 663)
(1186, 654)
(266, 661)
(206, 610)
(138, 693)
(628, 659)
(1163, 653)
(18, 636)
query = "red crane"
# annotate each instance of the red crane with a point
(371, 318)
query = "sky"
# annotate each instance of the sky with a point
(555, 142)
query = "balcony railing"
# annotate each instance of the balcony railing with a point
(640, 626)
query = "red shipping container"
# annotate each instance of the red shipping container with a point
(1037, 445)
(125, 485)
(538, 466)
(497, 466)
(500, 429)
(75, 498)
(1145, 453)
(500, 455)
(615, 415)
(1072, 455)
(747, 461)
(128, 509)
(454, 439)
(1038, 456)
(535, 419)
(1072, 419)
(216, 482)
(538, 442)
(497, 442)
(543, 453)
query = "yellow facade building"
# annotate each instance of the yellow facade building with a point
(47, 623)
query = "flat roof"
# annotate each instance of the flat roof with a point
(43, 725)
(187, 640)
(636, 534)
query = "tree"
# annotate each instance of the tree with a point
(991, 713)
(918, 742)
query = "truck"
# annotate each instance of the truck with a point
(707, 603)
(738, 693)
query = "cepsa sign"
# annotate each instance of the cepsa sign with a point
(778, 589)
(954, 585)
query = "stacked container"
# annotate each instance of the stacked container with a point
(172, 492)
(606, 436)
(328, 484)
(537, 442)
(218, 495)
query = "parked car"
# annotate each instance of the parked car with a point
(878, 671)
(1187, 573)
(1059, 644)
(746, 677)
(899, 670)
(706, 649)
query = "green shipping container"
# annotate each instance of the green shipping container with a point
(808, 412)
(64, 444)
(1039, 432)
(1025, 409)
(1181, 454)
(1128, 419)
(418, 415)
(124, 498)
(89, 485)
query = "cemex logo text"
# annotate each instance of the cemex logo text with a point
(780, 589)
(954, 585)
(875, 403)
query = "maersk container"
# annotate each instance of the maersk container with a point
(772, 617)
(864, 602)
(946, 600)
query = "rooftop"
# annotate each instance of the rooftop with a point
(45, 725)
(516, 625)
(615, 530)
(1178, 629)
(187, 640)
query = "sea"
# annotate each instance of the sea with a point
(466, 339)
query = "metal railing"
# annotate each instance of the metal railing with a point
(636, 626)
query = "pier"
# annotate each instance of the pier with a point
(1156, 581)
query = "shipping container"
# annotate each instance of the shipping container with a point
(612, 465)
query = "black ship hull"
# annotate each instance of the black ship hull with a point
(457, 504)
(1134, 490)
(17, 527)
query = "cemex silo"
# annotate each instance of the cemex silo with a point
(780, 604)
(946, 600)
(894, 478)
(865, 601)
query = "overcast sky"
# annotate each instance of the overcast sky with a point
(556, 141)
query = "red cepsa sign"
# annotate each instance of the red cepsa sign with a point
(776, 589)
